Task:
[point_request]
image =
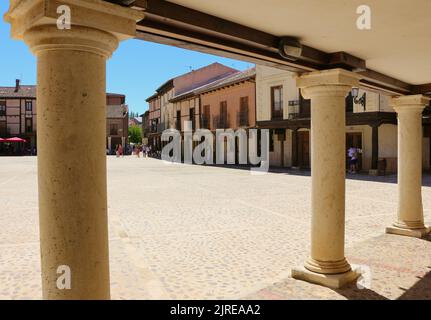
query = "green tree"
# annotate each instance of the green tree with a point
(135, 135)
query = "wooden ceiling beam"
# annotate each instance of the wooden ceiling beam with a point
(183, 27)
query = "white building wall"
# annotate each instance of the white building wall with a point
(267, 77)
(388, 146)
(270, 77)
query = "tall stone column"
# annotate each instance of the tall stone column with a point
(71, 97)
(327, 90)
(410, 220)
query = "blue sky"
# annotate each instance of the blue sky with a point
(136, 69)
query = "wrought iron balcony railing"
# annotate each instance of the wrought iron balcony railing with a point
(221, 122)
(205, 122)
(242, 118)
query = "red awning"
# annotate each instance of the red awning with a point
(1, 139)
(14, 139)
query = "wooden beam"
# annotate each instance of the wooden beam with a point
(242, 53)
(385, 82)
(176, 25)
(347, 61)
(422, 89)
(186, 19)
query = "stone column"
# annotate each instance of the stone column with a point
(327, 90)
(410, 220)
(71, 97)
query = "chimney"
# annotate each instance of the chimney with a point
(17, 81)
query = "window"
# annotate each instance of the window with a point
(192, 117)
(113, 129)
(3, 128)
(277, 102)
(271, 141)
(28, 106)
(178, 126)
(28, 125)
(206, 117)
(243, 111)
(2, 108)
(223, 114)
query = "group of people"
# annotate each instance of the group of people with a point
(145, 149)
(132, 149)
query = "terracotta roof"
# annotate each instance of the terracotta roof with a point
(170, 83)
(194, 91)
(23, 92)
(218, 83)
(109, 94)
(138, 119)
(229, 80)
(154, 96)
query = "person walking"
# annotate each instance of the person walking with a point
(120, 150)
(353, 159)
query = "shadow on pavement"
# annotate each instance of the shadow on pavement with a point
(420, 290)
(390, 178)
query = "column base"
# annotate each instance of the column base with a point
(333, 281)
(416, 233)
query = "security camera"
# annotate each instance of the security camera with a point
(290, 48)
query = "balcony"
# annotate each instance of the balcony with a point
(145, 132)
(153, 128)
(221, 122)
(178, 125)
(156, 127)
(242, 118)
(205, 122)
(299, 111)
(161, 127)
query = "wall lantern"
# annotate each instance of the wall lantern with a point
(362, 100)
(290, 48)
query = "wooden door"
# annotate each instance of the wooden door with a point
(304, 149)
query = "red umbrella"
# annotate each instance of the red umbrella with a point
(15, 139)
(1, 139)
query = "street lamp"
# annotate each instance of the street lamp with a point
(362, 100)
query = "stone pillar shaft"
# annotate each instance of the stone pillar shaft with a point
(328, 144)
(410, 219)
(71, 97)
(327, 91)
(72, 171)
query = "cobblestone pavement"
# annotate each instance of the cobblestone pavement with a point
(194, 232)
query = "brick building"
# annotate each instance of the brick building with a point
(18, 118)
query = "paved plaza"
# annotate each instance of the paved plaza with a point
(195, 232)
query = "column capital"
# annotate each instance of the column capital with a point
(409, 103)
(334, 82)
(96, 25)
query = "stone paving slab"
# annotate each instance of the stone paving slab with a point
(200, 232)
(395, 268)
